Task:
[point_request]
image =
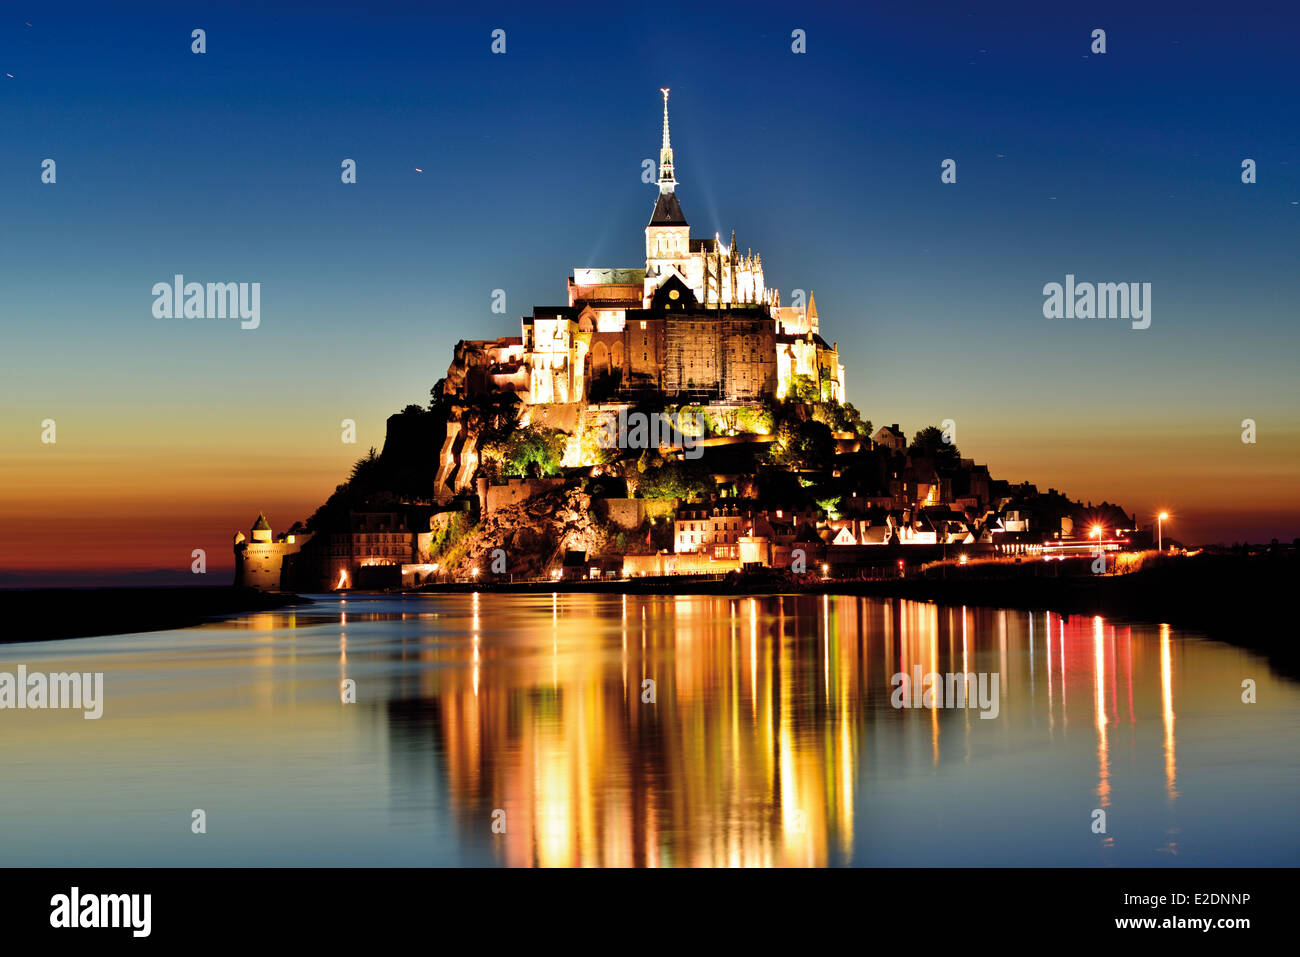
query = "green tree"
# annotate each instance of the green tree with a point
(831, 506)
(803, 445)
(929, 443)
(803, 388)
(533, 451)
(841, 418)
(676, 480)
(753, 421)
(592, 450)
(856, 423)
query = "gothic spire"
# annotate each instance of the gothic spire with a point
(667, 211)
(667, 182)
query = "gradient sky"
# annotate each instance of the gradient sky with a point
(225, 167)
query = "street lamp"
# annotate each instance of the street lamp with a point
(1160, 531)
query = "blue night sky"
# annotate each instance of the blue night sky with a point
(225, 167)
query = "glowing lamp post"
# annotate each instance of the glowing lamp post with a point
(1160, 531)
(1096, 533)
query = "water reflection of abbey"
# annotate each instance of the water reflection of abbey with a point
(771, 740)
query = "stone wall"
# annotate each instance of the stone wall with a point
(258, 564)
(517, 490)
(562, 416)
(625, 512)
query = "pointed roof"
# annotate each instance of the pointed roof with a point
(261, 525)
(674, 294)
(668, 211)
(812, 306)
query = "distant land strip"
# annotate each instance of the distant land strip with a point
(45, 614)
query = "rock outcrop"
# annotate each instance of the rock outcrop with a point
(534, 535)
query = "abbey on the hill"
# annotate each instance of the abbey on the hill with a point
(674, 419)
(698, 324)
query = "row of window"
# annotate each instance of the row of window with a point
(723, 551)
(690, 526)
(690, 539)
(343, 551)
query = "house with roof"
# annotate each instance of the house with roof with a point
(890, 437)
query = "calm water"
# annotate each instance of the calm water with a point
(771, 741)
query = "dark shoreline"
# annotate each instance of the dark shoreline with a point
(1241, 600)
(49, 614)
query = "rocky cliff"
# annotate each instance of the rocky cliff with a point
(534, 535)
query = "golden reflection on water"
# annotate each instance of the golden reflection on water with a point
(752, 744)
(1167, 710)
(685, 730)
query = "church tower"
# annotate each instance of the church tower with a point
(668, 236)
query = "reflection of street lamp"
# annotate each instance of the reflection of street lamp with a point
(1160, 531)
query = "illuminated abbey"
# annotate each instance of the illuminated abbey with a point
(542, 447)
(697, 324)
